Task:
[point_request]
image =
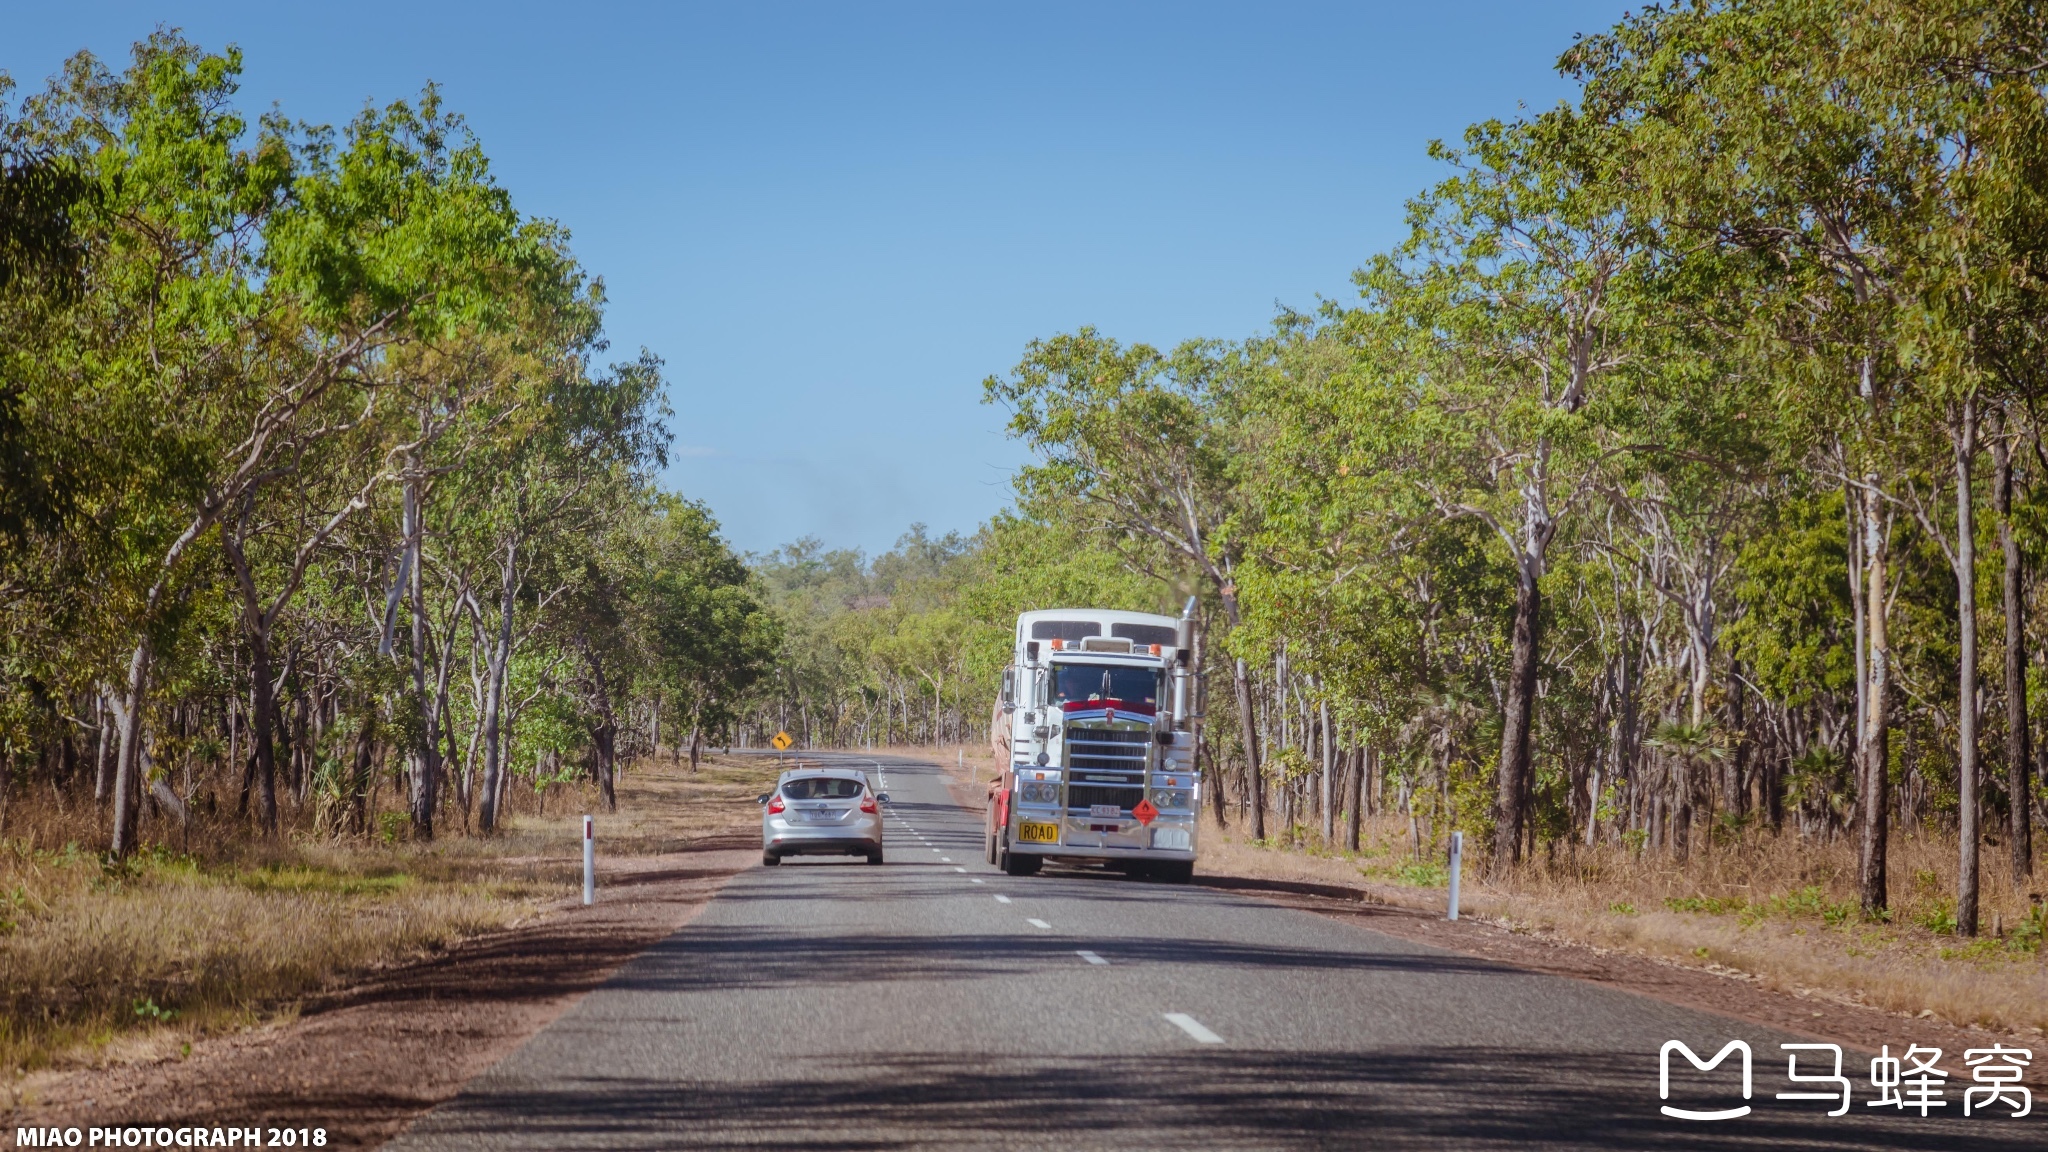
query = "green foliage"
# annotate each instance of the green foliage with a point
(251, 372)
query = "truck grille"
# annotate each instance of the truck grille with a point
(1082, 795)
(1105, 766)
(1110, 735)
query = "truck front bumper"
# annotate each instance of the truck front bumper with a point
(1085, 839)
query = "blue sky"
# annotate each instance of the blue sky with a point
(833, 220)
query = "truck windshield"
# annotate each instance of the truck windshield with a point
(1077, 682)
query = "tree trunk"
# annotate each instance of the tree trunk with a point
(1254, 779)
(1874, 752)
(1354, 809)
(494, 695)
(1329, 796)
(102, 764)
(128, 769)
(1965, 442)
(2019, 753)
(426, 758)
(604, 738)
(263, 726)
(359, 778)
(1511, 797)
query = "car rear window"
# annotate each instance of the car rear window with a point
(821, 788)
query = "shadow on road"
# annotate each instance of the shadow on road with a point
(1439, 1098)
(727, 959)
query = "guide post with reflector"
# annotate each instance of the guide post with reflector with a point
(1457, 866)
(589, 862)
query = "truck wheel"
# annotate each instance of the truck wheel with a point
(1017, 864)
(1176, 871)
(988, 847)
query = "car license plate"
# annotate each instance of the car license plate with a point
(821, 817)
(1105, 811)
(1034, 832)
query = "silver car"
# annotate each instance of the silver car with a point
(821, 812)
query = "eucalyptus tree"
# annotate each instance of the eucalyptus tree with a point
(1520, 279)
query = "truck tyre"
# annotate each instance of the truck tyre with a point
(1176, 871)
(1017, 864)
(988, 847)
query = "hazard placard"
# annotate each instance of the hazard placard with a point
(1144, 812)
(782, 741)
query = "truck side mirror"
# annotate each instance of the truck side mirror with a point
(1031, 651)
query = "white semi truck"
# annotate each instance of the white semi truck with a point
(1094, 733)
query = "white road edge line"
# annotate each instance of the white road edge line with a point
(1002, 899)
(1035, 922)
(1192, 1027)
(1090, 957)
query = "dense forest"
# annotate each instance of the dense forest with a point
(1677, 480)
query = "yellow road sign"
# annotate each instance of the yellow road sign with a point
(782, 741)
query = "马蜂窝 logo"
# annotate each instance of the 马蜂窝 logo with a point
(1664, 1079)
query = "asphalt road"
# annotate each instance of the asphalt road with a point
(936, 1003)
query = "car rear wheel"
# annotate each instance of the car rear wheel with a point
(770, 858)
(875, 857)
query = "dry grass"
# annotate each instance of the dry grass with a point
(1779, 909)
(100, 960)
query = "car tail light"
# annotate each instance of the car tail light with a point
(775, 803)
(867, 804)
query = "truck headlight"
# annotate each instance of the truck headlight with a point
(1034, 792)
(1171, 800)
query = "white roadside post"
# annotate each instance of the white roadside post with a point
(1457, 865)
(590, 864)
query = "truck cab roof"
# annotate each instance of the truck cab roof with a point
(1097, 631)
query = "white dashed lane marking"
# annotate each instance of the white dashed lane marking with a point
(1002, 899)
(1192, 1027)
(1090, 957)
(1035, 922)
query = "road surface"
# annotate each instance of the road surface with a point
(935, 1003)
